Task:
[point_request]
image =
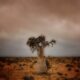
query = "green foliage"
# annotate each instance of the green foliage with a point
(35, 43)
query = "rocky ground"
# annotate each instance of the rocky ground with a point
(20, 68)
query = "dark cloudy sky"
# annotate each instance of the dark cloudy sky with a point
(58, 19)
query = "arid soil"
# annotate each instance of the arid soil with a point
(59, 68)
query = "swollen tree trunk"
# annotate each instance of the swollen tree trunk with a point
(40, 66)
(40, 52)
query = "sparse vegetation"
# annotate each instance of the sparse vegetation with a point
(58, 70)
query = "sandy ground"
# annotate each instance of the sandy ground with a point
(60, 68)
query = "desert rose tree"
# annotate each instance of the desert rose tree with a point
(39, 44)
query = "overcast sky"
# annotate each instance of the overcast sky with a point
(56, 19)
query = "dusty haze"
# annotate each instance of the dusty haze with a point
(57, 19)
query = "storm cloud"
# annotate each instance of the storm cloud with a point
(58, 19)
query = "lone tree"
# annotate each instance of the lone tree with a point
(39, 44)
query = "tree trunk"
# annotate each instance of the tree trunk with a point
(41, 52)
(40, 66)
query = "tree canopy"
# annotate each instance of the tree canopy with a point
(40, 41)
